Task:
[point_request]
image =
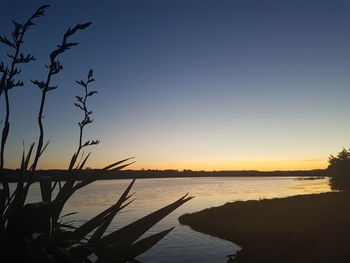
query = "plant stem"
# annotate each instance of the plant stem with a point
(6, 128)
(81, 127)
(41, 129)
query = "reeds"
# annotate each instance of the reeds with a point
(34, 232)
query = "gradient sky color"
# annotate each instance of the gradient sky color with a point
(184, 84)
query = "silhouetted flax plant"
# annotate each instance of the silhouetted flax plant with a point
(10, 71)
(82, 105)
(54, 68)
(35, 232)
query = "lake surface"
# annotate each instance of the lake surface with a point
(182, 245)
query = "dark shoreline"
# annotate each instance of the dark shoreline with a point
(10, 175)
(303, 228)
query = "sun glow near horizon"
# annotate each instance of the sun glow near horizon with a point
(183, 85)
(205, 165)
(232, 165)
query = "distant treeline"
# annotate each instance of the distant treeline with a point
(11, 175)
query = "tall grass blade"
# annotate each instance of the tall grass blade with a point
(122, 166)
(28, 156)
(98, 220)
(72, 161)
(116, 163)
(20, 194)
(44, 148)
(68, 189)
(45, 188)
(69, 214)
(130, 233)
(93, 178)
(143, 245)
(81, 166)
(2, 208)
(32, 168)
(128, 254)
(103, 227)
(22, 160)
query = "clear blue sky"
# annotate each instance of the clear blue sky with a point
(190, 84)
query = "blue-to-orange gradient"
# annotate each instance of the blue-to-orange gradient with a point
(185, 84)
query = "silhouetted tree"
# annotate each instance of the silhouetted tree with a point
(339, 170)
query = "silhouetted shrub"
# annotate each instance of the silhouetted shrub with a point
(339, 170)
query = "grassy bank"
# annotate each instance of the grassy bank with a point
(304, 228)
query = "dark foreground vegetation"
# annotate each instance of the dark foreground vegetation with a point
(305, 228)
(39, 232)
(339, 170)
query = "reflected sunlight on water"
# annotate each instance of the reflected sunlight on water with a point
(182, 244)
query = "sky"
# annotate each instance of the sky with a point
(188, 84)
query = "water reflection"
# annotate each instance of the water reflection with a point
(182, 244)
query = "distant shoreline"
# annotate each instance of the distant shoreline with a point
(10, 175)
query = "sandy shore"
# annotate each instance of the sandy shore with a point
(304, 228)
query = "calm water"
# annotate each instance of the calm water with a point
(182, 244)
